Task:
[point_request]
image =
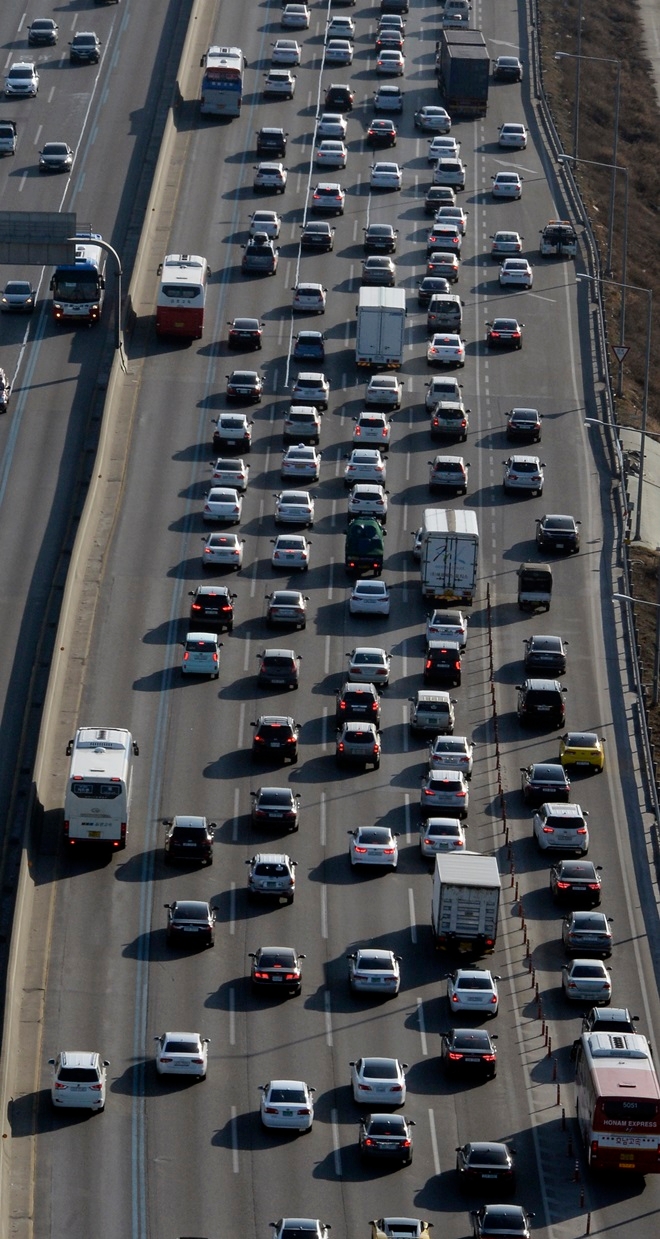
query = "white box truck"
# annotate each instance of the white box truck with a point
(450, 553)
(381, 324)
(465, 902)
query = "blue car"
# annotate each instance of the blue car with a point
(309, 346)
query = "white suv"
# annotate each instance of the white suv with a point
(79, 1080)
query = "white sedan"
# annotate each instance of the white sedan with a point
(445, 350)
(441, 834)
(301, 461)
(443, 146)
(384, 389)
(587, 981)
(517, 273)
(291, 551)
(505, 242)
(331, 125)
(295, 17)
(288, 1104)
(285, 52)
(513, 136)
(225, 549)
(391, 63)
(338, 52)
(385, 175)
(447, 626)
(507, 185)
(230, 471)
(378, 1080)
(473, 989)
(373, 845)
(369, 598)
(265, 221)
(223, 504)
(452, 215)
(452, 753)
(331, 153)
(182, 1054)
(365, 464)
(433, 119)
(369, 665)
(294, 507)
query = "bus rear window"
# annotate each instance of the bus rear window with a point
(629, 1110)
(187, 292)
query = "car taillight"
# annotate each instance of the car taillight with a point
(429, 664)
(592, 886)
(388, 851)
(196, 606)
(291, 976)
(306, 1110)
(566, 886)
(488, 1058)
(406, 1144)
(197, 1060)
(365, 1087)
(58, 1085)
(340, 746)
(261, 976)
(581, 830)
(454, 998)
(361, 851)
(454, 1056)
(291, 739)
(461, 795)
(271, 1110)
(96, 1088)
(494, 999)
(548, 830)
(258, 739)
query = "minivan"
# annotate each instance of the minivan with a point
(445, 313)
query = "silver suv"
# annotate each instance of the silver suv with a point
(272, 874)
(358, 744)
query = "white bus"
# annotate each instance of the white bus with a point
(617, 1097)
(98, 792)
(182, 295)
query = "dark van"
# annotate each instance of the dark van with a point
(365, 546)
(442, 664)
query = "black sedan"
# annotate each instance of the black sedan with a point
(544, 781)
(470, 1050)
(524, 425)
(277, 968)
(586, 934)
(317, 235)
(504, 333)
(191, 921)
(381, 133)
(386, 1137)
(505, 1221)
(245, 333)
(508, 69)
(380, 239)
(276, 806)
(486, 1165)
(244, 385)
(558, 533)
(576, 882)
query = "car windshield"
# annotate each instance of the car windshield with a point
(443, 829)
(392, 1125)
(277, 959)
(374, 963)
(188, 834)
(181, 1047)
(369, 659)
(379, 1069)
(564, 823)
(474, 983)
(588, 970)
(592, 922)
(191, 912)
(582, 740)
(471, 1039)
(78, 1075)
(292, 1096)
(275, 796)
(375, 834)
(270, 870)
(489, 1156)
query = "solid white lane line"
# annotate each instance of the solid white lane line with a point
(232, 908)
(234, 1141)
(328, 1019)
(234, 825)
(336, 1143)
(413, 918)
(422, 1027)
(232, 1016)
(434, 1142)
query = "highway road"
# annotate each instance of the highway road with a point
(58, 374)
(166, 1161)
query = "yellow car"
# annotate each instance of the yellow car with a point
(582, 748)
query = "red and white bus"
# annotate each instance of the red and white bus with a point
(222, 83)
(617, 1097)
(182, 295)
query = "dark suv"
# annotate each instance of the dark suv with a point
(358, 703)
(189, 839)
(339, 97)
(279, 667)
(541, 702)
(275, 736)
(271, 141)
(212, 608)
(442, 664)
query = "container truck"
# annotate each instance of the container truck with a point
(465, 902)
(464, 72)
(450, 552)
(381, 321)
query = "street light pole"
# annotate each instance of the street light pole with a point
(642, 602)
(582, 275)
(607, 60)
(564, 159)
